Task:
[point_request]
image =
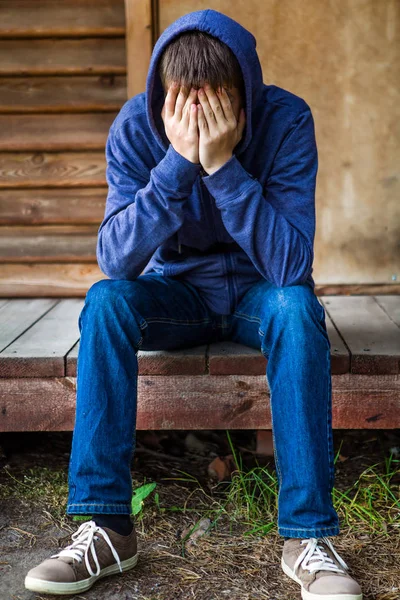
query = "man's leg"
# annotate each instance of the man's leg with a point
(118, 318)
(288, 325)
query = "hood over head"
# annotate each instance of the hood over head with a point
(242, 43)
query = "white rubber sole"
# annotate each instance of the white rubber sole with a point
(58, 587)
(309, 596)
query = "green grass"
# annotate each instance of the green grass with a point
(249, 498)
(370, 504)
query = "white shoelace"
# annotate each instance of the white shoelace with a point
(83, 540)
(314, 558)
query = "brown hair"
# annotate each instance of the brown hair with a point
(195, 57)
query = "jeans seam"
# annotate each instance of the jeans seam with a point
(98, 504)
(330, 453)
(250, 317)
(307, 528)
(186, 322)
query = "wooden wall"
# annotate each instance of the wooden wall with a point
(63, 69)
(62, 81)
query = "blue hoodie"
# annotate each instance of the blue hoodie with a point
(252, 219)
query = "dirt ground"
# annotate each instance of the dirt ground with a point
(225, 563)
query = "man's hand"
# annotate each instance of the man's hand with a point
(219, 130)
(179, 115)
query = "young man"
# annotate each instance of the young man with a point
(208, 235)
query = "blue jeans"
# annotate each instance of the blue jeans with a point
(153, 312)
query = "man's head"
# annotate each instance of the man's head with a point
(194, 58)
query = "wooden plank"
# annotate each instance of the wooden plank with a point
(391, 306)
(372, 338)
(40, 350)
(24, 18)
(340, 355)
(362, 289)
(66, 243)
(47, 279)
(200, 402)
(52, 206)
(17, 315)
(230, 358)
(58, 94)
(56, 169)
(191, 361)
(50, 132)
(88, 56)
(139, 43)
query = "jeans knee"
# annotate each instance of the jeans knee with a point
(110, 299)
(294, 302)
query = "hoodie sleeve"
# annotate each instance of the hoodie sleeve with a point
(143, 208)
(275, 226)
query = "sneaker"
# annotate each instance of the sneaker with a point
(74, 569)
(318, 568)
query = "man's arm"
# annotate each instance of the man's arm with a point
(275, 227)
(142, 209)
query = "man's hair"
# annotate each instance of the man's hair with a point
(195, 57)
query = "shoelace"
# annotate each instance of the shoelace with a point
(314, 558)
(83, 540)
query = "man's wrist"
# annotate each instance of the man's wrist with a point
(214, 168)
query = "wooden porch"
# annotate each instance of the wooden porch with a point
(207, 387)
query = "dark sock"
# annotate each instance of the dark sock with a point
(121, 524)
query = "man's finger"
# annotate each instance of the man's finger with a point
(193, 118)
(187, 107)
(226, 105)
(215, 104)
(207, 112)
(170, 100)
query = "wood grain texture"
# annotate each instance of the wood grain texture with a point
(55, 94)
(59, 243)
(24, 18)
(200, 402)
(61, 206)
(37, 280)
(371, 336)
(56, 169)
(88, 56)
(50, 132)
(17, 315)
(139, 43)
(40, 350)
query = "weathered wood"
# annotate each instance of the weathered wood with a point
(48, 132)
(371, 336)
(24, 18)
(139, 43)
(88, 56)
(40, 350)
(200, 402)
(63, 243)
(62, 94)
(340, 355)
(41, 169)
(47, 279)
(391, 306)
(159, 362)
(60, 206)
(362, 289)
(228, 358)
(17, 315)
